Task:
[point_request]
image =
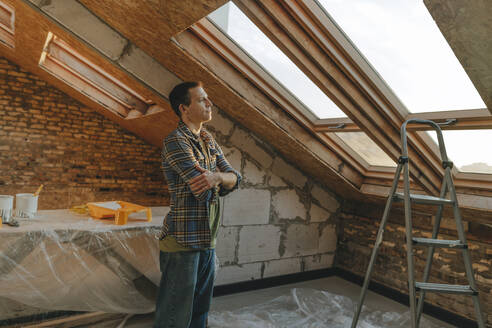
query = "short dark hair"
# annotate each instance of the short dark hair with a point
(180, 95)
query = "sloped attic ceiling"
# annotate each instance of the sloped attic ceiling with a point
(142, 28)
(467, 26)
(137, 43)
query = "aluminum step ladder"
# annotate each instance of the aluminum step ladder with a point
(432, 243)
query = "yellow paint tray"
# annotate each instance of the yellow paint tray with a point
(117, 209)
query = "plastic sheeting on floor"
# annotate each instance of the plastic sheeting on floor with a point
(310, 308)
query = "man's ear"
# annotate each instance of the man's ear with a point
(182, 109)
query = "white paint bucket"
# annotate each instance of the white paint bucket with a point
(6, 206)
(26, 205)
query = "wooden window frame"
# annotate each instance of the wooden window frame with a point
(469, 119)
(310, 29)
(253, 71)
(312, 41)
(228, 49)
(64, 62)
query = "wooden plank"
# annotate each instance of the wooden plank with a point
(465, 119)
(92, 319)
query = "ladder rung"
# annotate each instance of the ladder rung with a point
(439, 243)
(444, 288)
(424, 199)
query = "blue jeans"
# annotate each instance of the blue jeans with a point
(186, 288)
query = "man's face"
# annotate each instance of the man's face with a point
(200, 108)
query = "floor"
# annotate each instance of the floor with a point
(237, 310)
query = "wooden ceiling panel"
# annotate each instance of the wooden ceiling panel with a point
(31, 31)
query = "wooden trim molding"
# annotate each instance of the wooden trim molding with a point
(470, 119)
(7, 25)
(474, 207)
(59, 59)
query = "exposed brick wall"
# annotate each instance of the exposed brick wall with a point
(48, 138)
(357, 234)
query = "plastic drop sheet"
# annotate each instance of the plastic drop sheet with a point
(63, 261)
(310, 308)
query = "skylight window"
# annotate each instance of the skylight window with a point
(59, 59)
(468, 149)
(403, 43)
(7, 24)
(249, 37)
(361, 144)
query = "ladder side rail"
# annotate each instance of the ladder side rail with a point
(430, 252)
(408, 212)
(466, 251)
(379, 240)
(408, 233)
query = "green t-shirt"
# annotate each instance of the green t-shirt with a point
(170, 244)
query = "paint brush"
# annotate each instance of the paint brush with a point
(39, 190)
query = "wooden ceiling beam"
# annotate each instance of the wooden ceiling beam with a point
(264, 81)
(470, 119)
(232, 57)
(298, 29)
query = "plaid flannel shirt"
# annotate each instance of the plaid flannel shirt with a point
(188, 219)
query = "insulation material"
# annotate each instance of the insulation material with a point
(310, 308)
(60, 260)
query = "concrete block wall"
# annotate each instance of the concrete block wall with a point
(357, 235)
(48, 138)
(280, 221)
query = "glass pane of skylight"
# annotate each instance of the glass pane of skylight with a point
(469, 150)
(401, 41)
(366, 148)
(249, 37)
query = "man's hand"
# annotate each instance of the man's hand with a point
(205, 181)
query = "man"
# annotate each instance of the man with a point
(197, 174)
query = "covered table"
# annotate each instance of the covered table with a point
(60, 260)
